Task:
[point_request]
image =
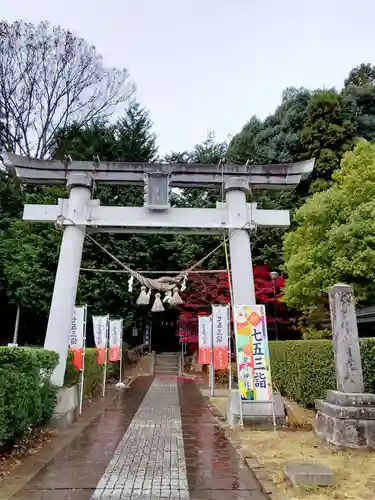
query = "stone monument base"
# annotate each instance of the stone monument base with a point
(66, 408)
(346, 420)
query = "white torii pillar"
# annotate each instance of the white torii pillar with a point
(67, 274)
(236, 190)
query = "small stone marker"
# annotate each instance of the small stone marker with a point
(309, 475)
(349, 377)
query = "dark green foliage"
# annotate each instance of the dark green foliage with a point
(129, 139)
(278, 138)
(328, 132)
(304, 370)
(27, 399)
(360, 76)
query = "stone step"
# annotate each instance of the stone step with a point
(166, 372)
(166, 364)
(167, 368)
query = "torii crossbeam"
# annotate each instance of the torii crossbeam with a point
(81, 213)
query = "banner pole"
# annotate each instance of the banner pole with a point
(105, 354)
(212, 373)
(237, 363)
(229, 352)
(122, 322)
(81, 396)
(273, 410)
(182, 358)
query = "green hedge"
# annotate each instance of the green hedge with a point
(303, 370)
(93, 372)
(27, 398)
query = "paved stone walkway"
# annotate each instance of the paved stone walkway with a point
(157, 441)
(150, 459)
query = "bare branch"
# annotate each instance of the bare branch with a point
(48, 79)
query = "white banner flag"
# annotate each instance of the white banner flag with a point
(115, 332)
(220, 336)
(78, 327)
(100, 325)
(204, 339)
(220, 325)
(115, 339)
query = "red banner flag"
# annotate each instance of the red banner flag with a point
(114, 353)
(77, 358)
(221, 358)
(101, 355)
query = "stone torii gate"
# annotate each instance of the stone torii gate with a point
(80, 213)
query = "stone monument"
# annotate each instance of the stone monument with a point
(347, 417)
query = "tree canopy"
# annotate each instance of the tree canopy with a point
(50, 78)
(334, 240)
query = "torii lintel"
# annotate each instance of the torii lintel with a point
(181, 175)
(171, 220)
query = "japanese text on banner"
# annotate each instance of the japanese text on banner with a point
(253, 361)
(76, 337)
(115, 339)
(220, 336)
(204, 339)
(100, 327)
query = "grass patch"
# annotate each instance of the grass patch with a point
(354, 470)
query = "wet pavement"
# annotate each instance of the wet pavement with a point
(158, 440)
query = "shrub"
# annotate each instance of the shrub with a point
(303, 370)
(368, 363)
(312, 334)
(93, 372)
(26, 397)
(221, 376)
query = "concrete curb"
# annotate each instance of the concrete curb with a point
(130, 382)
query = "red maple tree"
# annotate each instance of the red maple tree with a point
(206, 289)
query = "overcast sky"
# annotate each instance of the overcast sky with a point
(208, 65)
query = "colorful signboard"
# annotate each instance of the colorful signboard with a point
(253, 360)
